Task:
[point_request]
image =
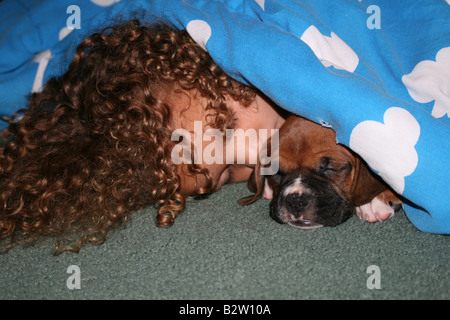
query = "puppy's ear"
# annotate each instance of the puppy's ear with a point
(255, 184)
(366, 184)
(252, 182)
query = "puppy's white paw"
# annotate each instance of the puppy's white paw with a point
(375, 210)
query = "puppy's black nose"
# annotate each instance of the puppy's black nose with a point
(296, 202)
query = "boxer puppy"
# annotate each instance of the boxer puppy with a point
(320, 182)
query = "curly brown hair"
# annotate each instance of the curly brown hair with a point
(95, 144)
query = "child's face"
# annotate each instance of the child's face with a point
(261, 114)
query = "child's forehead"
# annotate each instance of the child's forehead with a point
(186, 106)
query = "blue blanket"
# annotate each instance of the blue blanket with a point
(377, 72)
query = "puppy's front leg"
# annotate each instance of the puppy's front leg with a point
(268, 192)
(380, 208)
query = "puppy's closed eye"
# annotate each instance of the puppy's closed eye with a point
(328, 169)
(325, 168)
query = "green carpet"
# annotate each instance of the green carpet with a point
(220, 250)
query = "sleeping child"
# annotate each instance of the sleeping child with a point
(96, 143)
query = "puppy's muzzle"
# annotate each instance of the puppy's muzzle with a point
(295, 209)
(297, 203)
(307, 201)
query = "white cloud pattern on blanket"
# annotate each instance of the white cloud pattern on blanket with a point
(104, 3)
(64, 32)
(42, 58)
(430, 80)
(389, 148)
(200, 31)
(261, 3)
(331, 51)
